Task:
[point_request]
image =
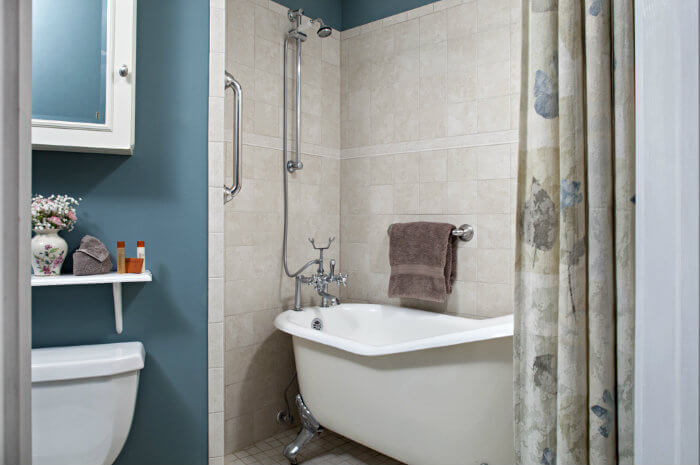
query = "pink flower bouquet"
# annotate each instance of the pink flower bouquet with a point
(54, 212)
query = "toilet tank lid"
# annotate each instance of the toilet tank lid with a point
(89, 361)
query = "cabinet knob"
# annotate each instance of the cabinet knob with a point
(123, 71)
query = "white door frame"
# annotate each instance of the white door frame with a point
(667, 253)
(15, 198)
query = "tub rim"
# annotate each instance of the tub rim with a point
(498, 327)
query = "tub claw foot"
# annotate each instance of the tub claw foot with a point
(309, 428)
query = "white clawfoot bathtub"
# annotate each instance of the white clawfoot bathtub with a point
(421, 387)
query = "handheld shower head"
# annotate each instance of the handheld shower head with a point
(301, 26)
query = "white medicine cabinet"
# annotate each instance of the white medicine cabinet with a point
(83, 75)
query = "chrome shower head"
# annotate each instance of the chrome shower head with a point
(323, 30)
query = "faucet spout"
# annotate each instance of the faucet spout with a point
(328, 300)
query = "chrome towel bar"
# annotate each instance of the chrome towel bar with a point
(464, 233)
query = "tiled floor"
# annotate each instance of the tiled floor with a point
(325, 449)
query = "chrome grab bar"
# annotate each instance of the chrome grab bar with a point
(230, 192)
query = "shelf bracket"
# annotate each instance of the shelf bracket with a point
(117, 294)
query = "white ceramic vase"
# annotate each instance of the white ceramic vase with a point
(48, 252)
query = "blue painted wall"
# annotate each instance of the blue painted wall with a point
(359, 12)
(346, 14)
(158, 195)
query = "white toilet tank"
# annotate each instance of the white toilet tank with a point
(83, 401)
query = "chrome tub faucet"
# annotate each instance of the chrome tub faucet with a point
(320, 280)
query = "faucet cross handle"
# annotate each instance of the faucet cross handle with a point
(342, 279)
(313, 243)
(339, 278)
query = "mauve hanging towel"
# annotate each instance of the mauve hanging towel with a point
(423, 259)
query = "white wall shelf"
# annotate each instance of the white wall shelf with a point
(113, 278)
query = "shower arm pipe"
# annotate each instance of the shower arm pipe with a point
(230, 192)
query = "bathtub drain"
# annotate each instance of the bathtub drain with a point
(317, 324)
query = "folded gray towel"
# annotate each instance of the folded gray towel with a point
(423, 259)
(92, 257)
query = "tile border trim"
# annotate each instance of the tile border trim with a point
(470, 140)
(258, 140)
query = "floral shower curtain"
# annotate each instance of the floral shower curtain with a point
(574, 311)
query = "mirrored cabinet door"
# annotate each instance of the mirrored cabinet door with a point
(68, 36)
(83, 75)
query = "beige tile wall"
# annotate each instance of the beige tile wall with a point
(418, 126)
(258, 361)
(428, 133)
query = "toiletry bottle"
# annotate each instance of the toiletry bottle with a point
(121, 257)
(141, 253)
